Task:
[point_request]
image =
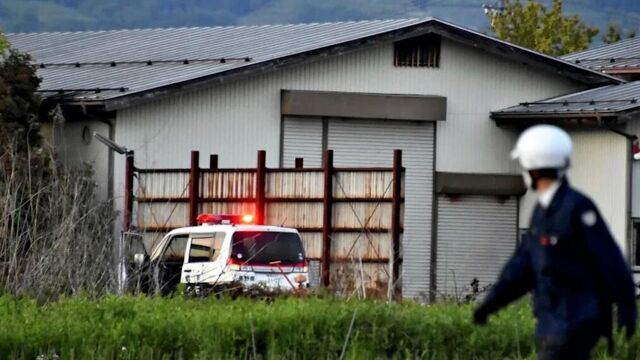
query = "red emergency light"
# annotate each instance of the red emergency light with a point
(217, 219)
(247, 219)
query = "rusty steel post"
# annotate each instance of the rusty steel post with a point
(261, 177)
(194, 187)
(396, 203)
(213, 161)
(299, 163)
(128, 190)
(327, 233)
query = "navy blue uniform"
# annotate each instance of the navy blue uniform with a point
(576, 272)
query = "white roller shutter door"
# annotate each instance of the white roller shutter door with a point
(371, 143)
(302, 138)
(476, 236)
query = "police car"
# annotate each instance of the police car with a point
(228, 251)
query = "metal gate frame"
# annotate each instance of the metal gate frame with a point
(261, 202)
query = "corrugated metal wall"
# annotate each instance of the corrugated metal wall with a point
(601, 169)
(302, 215)
(361, 248)
(76, 147)
(302, 138)
(161, 214)
(476, 236)
(367, 143)
(360, 231)
(236, 119)
(633, 127)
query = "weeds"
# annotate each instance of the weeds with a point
(55, 238)
(178, 327)
(312, 328)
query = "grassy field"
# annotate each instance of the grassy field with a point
(163, 328)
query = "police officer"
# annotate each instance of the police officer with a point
(568, 259)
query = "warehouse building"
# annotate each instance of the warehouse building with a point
(454, 100)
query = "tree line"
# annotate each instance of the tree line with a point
(547, 28)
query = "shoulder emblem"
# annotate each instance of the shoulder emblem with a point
(589, 218)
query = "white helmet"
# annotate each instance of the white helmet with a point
(543, 147)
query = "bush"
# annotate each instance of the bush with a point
(313, 328)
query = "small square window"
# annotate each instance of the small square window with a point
(421, 51)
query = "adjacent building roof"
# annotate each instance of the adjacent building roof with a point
(622, 57)
(121, 67)
(605, 101)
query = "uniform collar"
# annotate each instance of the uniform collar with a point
(545, 197)
(559, 195)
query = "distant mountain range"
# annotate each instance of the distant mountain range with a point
(74, 15)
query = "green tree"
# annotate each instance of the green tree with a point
(52, 229)
(4, 44)
(615, 33)
(19, 102)
(537, 27)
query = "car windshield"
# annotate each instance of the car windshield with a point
(267, 247)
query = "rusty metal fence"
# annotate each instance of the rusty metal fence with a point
(350, 219)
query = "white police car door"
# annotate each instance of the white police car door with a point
(202, 263)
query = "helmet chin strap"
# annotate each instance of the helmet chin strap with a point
(528, 181)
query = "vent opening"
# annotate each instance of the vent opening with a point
(421, 51)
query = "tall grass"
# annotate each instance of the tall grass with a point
(312, 328)
(144, 327)
(55, 238)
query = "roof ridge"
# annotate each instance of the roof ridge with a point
(267, 44)
(221, 26)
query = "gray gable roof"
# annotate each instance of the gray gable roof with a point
(604, 101)
(613, 58)
(119, 67)
(166, 49)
